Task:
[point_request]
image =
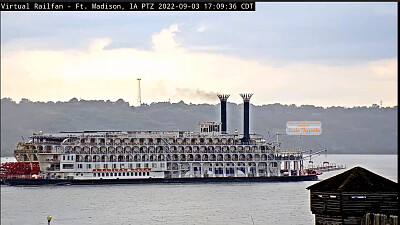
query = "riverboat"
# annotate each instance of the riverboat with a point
(210, 154)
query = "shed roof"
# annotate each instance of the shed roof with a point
(356, 179)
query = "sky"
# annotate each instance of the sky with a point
(324, 54)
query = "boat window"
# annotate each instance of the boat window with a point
(94, 174)
(332, 196)
(140, 173)
(68, 166)
(102, 174)
(119, 174)
(358, 196)
(148, 173)
(135, 173)
(72, 158)
(81, 174)
(111, 174)
(63, 157)
(89, 166)
(106, 174)
(68, 157)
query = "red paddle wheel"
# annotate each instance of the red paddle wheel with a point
(18, 169)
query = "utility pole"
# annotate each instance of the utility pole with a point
(139, 93)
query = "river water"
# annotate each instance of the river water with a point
(234, 203)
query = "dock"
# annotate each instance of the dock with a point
(326, 168)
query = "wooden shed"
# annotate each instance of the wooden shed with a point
(347, 197)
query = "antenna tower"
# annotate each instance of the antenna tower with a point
(139, 97)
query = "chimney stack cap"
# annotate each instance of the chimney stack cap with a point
(246, 96)
(223, 97)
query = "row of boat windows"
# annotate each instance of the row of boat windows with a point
(214, 128)
(121, 174)
(182, 157)
(180, 148)
(146, 165)
(68, 157)
(120, 166)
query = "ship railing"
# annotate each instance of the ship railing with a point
(329, 167)
(288, 150)
(70, 143)
(52, 160)
(45, 151)
(287, 157)
(52, 142)
(270, 155)
(52, 169)
(18, 176)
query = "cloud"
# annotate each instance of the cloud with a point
(171, 71)
(385, 68)
(99, 44)
(201, 29)
(164, 41)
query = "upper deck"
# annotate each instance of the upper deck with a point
(143, 137)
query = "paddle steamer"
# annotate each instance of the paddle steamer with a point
(210, 154)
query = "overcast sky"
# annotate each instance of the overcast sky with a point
(325, 54)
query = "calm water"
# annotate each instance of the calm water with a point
(239, 203)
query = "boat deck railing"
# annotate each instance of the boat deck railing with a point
(18, 176)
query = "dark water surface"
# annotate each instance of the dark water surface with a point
(223, 203)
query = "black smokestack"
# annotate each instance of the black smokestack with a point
(223, 99)
(246, 123)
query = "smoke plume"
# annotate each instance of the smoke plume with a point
(195, 94)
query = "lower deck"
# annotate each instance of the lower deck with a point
(15, 182)
(138, 170)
